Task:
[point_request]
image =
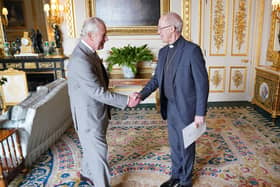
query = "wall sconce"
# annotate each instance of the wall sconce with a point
(54, 12)
(4, 20)
(5, 14)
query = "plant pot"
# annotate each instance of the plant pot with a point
(127, 72)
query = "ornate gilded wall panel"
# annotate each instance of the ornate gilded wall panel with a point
(187, 19)
(218, 27)
(240, 27)
(70, 18)
(238, 75)
(217, 75)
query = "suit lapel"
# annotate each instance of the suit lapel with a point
(162, 63)
(177, 58)
(96, 62)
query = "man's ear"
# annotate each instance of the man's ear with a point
(173, 29)
(90, 35)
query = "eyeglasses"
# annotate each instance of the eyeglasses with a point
(161, 28)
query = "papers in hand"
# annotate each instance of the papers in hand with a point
(191, 133)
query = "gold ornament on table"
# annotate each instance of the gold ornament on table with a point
(26, 44)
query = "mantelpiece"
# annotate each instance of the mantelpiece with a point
(41, 66)
(267, 90)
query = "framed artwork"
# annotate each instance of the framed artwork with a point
(15, 89)
(274, 42)
(16, 15)
(217, 76)
(125, 17)
(238, 76)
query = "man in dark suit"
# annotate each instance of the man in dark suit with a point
(182, 80)
(90, 100)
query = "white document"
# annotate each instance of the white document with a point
(191, 133)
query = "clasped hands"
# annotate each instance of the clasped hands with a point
(134, 99)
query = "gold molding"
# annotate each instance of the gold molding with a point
(130, 30)
(186, 12)
(2, 38)
(70, 18)
(272, 55)
(89, 8)
(260, 16)
(201, 26)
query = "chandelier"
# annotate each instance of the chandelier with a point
(54, 12)
(275, 5)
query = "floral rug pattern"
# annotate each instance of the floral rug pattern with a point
(239, 148)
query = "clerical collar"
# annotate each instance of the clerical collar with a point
(174, 44)
(171, 46)
(90, 48)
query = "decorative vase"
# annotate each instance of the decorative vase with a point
(127, 72)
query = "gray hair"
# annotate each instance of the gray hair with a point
(91, 25)
(173, 18)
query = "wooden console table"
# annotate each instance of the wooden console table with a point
(132, 82)
(267, 90)
(124, 82)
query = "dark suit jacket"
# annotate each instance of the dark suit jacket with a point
(189, 81)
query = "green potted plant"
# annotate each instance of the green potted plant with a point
(3, 80)
(127, 58)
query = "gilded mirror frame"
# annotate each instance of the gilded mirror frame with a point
(130, 30)
(2, 37)
(273, 55)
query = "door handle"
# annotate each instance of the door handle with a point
(244, 60)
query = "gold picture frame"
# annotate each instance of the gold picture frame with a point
(15, 89)
(129, 30)
(273, 55)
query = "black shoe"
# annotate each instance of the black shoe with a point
(85, 179)
(180, 185)
(170, 183)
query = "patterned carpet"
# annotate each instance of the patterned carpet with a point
(240, 148)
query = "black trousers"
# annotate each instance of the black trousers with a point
(182, 159)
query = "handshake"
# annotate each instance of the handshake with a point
(134, 99)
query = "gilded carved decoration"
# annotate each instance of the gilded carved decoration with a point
(260, 15)
(216, 79)
(187, 19)
(237, 78)
(70, 18)
(1, 38)
(240, 24)
(241, 27)
(219, 24)
(218, 27)
(46, 65)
